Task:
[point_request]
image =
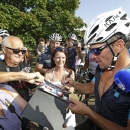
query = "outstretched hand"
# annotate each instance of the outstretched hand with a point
(35, 78)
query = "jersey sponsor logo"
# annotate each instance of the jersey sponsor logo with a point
(120, 84)
(26, 69)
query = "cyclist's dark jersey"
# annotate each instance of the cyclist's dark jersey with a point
(114, 105)
(71, 54)
(45, 59)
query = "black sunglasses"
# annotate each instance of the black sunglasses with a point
(16, 51)
(97, 51)
(60, 49)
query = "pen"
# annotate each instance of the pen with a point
(66, 82)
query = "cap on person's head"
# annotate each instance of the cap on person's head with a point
(72, 36)
(55, 37)
(105, 25)
(4, 32)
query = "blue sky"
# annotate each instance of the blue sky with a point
(89, 9)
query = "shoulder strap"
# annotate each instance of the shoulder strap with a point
(97, 76)
(6, 91)
(52, 74)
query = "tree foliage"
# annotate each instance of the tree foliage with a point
(31, 20)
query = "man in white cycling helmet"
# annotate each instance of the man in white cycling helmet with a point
(72, 38)
(3, 34)
(44, 60)
(109, 38)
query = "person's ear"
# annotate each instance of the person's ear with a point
(120, 44)
(3, 49)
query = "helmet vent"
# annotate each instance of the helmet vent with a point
(100, 38)
(92, 38)
(111, 26)
(127, 24)
(94, 30)
(123, 17)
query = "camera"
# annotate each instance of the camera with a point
(75, 43)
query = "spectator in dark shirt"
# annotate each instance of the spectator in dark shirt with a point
(15, 73)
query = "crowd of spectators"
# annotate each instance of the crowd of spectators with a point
(108, 40)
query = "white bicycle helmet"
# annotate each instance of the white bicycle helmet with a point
(55, 37)
(4, 32)
(106, 25)
(72, 36)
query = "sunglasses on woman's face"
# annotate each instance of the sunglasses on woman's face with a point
(97, 51)
(16, 51)
(60, 49)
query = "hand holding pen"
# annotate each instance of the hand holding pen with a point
(67, 81)
(41, 83)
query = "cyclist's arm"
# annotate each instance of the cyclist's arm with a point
(39, 68)
(105, 124)
(87, 88)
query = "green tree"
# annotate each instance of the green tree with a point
(31, 20)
